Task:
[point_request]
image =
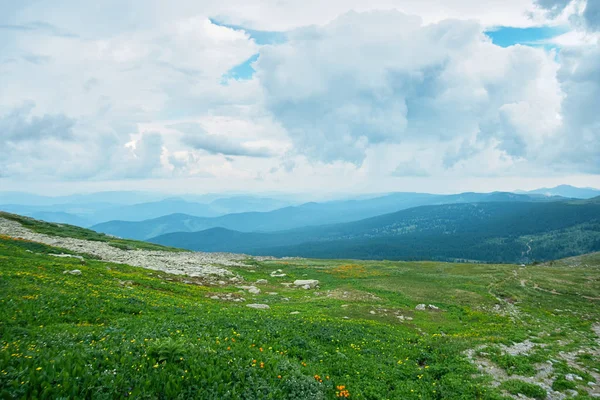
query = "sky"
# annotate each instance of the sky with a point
(348, 96)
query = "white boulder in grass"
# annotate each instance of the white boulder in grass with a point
(259, 306)
(306, 283)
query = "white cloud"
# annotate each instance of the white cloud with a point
(360, 99)
(384, 77)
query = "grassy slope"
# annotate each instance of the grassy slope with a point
(65, 230)
(93, 336)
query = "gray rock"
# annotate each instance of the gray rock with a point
(278, 274)
(420, 307)
(372, 312)
(432, 307)
(259, 306)
(311, 283)
(295, 312)
(262, 282)
(66, 256)
(73, 272)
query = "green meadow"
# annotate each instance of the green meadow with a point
(117, 331)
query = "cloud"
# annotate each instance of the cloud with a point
(384, 77)
(591, 15)
(20, 125)
(410, 169)
(196, 137)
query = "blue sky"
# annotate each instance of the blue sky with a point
(532, 36)
(299, 95)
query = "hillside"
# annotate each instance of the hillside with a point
(309, 214)
(85, 328)
(491, 232)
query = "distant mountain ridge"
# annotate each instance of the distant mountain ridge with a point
(308, 214)
(491, 231)
(565, 191)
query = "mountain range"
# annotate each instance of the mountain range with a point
(308, 214)
(487, 231)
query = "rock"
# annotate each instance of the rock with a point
(73, 272)
(262, 282)
(420, 307)
(67, 256)
(311, 283)
(432, 307)
(295, 312)
(372, 312)
(346, 317)
(215, 297)
(222, 283)
(278, 274)
(259, 306)
(408, 318)
(286, 284)
(573, 377)
(400, 317)
(306, 287)
(250, 289)
(273, 293)
(345, 305)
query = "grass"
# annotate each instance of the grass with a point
(91, 336)
(530, 390)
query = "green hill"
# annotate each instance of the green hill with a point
(115, 331)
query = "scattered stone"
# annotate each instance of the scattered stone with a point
(278, 274)
(287, 284)
(187, 282)
(432, 307)
(311, 283)
(250, 289)
(372, 312)
(259, 306)
(573, 377)
(67, 256)
(420, 307)
(295, 312)
(222, 283)
(73, 272)
(273, 293)
(346, 317)
(400, 317)
(262, 282)
(345, 305)
(215, 297)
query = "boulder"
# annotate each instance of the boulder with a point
(250, 289)
(73, 272)
(259, 306)
(420, 307)
(262, 282)
(432, 307)
(306, 283)
(277, 273)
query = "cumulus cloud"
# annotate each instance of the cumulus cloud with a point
(196, 137)
(384, 77)
(21, 125)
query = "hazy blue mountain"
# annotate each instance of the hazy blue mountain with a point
(493, 231)
(567, 191)
(309, 214)
(113, 197)
(60, 217)
(240, 204)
